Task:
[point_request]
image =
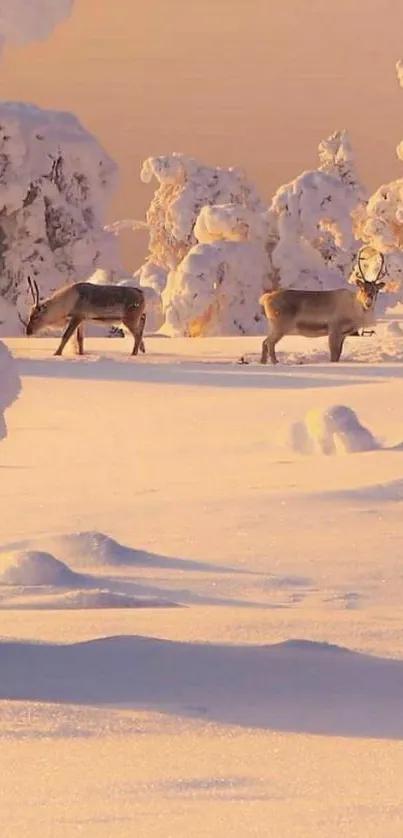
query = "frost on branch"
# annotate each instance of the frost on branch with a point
(185, 186)
(317, 246)
(23, 21)
(55, 183)
(10, 384)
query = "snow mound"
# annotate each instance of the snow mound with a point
(24, 21)
(94, 549)
(33, 568)
(335, 430)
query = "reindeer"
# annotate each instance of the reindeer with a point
(84, 301)
(314, 314)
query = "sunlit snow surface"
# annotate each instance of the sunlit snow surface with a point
(199, 628)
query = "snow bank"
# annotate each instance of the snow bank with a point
(23, 21)
(55, 184)
(10, 385)
(33, 568)
(335, 430)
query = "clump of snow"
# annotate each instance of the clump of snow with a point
(218, 208)
(55, 184)
(335, 430)
(23, 21)
(216, 290)
(10, 384)
(33, 568)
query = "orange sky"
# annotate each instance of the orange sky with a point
(255, 83)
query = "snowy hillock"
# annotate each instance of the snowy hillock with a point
(335, 430)
(55, 184)
(33, 568)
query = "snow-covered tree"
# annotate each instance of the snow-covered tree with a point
(216, 288)
(10, 385)
(55, 183)
(379, 224)
(185, 186)
(23, 21)
(316, 243)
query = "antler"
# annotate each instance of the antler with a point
(382, 270)
(33, 287)
(359, 257)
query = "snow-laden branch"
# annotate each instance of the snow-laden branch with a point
(317, 245)
(185, 186)
(380, 226)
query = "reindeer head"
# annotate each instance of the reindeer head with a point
(368, 289)
(34, 322)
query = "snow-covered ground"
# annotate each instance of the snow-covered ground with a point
(201, 626)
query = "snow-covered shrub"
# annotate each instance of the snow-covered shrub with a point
(10, 385)
(335, 430)
(317, 246)
(23, 21)
(55, 183)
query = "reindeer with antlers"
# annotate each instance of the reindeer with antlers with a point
(337, 313)
(81, 302)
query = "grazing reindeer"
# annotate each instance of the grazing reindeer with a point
(83, 301)
(313, 314)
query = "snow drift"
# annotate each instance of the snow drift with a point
(55, 184)
(33, 568)
(335, 430)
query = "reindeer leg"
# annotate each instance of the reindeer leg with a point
(269, 346)
(138, 335)
(136, 327)
(79, 340)
(336, 341)
(69, 331)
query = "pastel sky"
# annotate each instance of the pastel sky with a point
(255, 83)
